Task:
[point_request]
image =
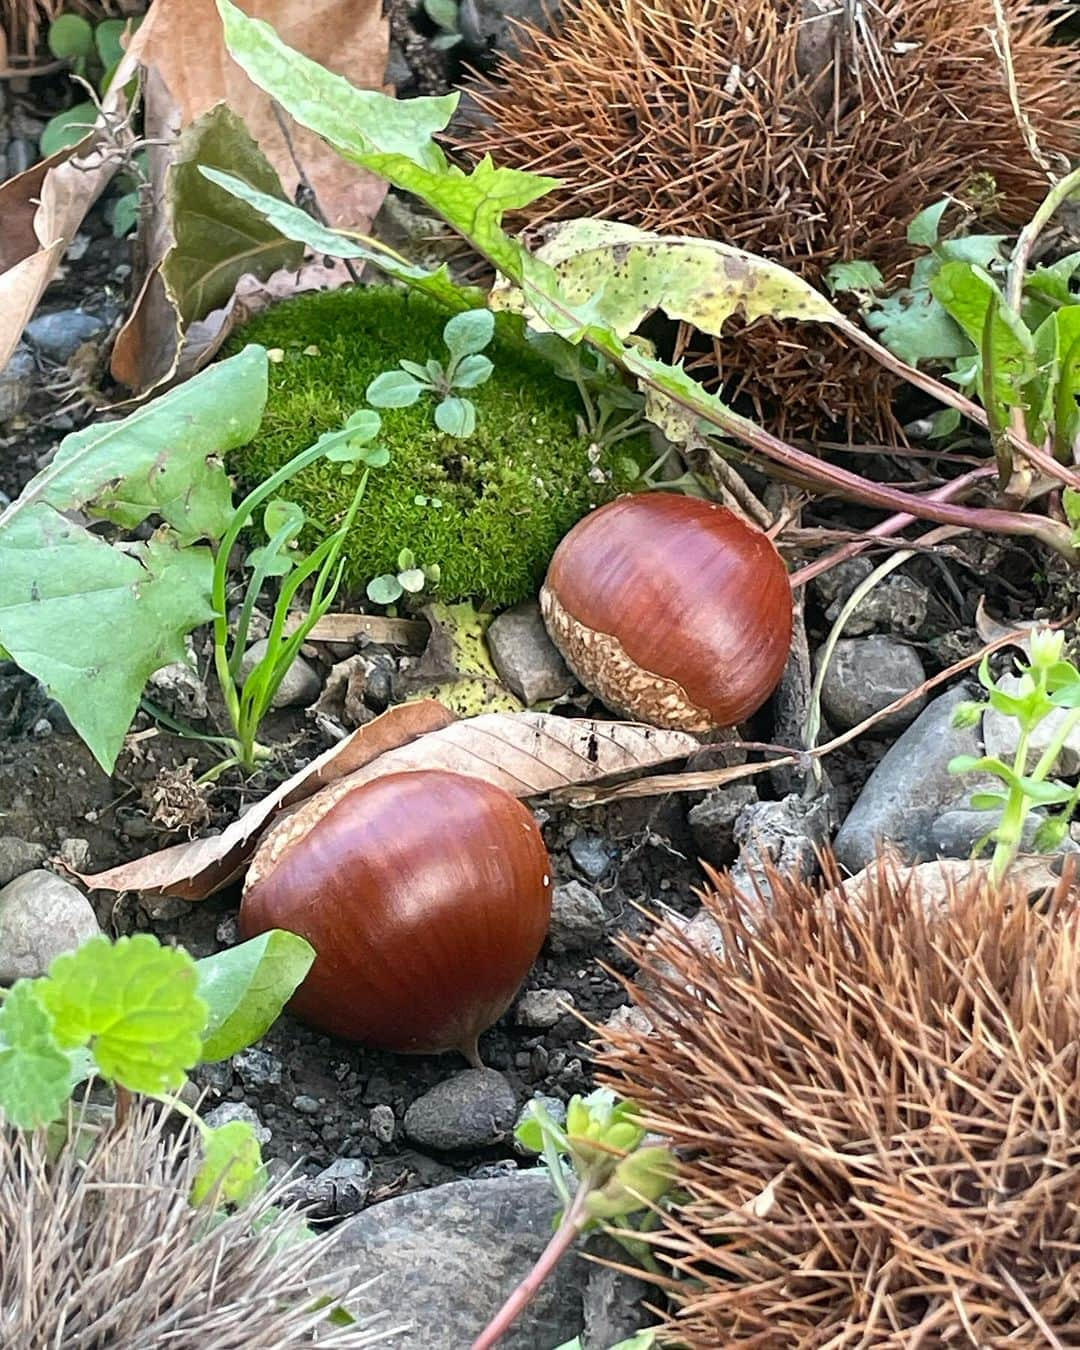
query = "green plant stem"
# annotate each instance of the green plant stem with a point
(562, 1240)
(1009, 833)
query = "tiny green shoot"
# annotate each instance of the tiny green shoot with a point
(466, 335)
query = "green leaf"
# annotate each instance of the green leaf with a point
(917, 328)
(107, 40)
(35, 1073)
(67, 128)
(944, 422)
(246, 988)
(1066, 406)
(444, 13)
(354, 121)
(1043, 793)
(71, 37)
(125, 213)
(136, 1004)
(1051, 833)
(297, 224)
(974, 300)
(232, 1167)
(858, 276)
(384, 590)
(375, 456)
(394, 389)
(406, 558)
(468, 333)
(279, 514)
(456, 416)
(925, 228)
(472, 371)
(412, 579)
(219, 237)
(640, 1179)
(987, 801)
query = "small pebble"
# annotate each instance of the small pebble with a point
(382, 1123)
(473, 1109)
(591, 855)
(41, 916)
(306, 1105)
(257, 1067)
(578, 919)
(542, 1008)
(300, 686)
(59, 335)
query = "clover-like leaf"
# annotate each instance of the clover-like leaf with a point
(232, 1168)
(394, 389)
(384, 590)
(469, 332)
(35, 1073)
(412, 579)
(135, 1003)
(246, 987)
(456, 416)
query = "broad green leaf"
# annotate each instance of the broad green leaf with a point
(1067, 394)
(456, 416)
(135, 1003)
(107, 40)
(281, 514)
(973, 299)
(394, 389)
(917, 328)
(624, 274)
(219, 237)
(354, 121)
(925, 228)
(472, 371)
(412, 579)
(469, 332)
(67, 128)
(232, 1167)
(246, 987)
(92, 622)
(384, 590)
(444, 13)
(297, 224)
(987, 801)
(859, 276)
(35, 1073)
(406, 558)
(71, 37)
(1043, 386)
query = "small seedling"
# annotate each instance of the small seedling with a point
(1048, 686)
(466, 335)
(444, 15)
(620, 1180)
(283, 522)
(408, 579)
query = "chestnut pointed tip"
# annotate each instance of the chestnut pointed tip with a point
(471, 1052)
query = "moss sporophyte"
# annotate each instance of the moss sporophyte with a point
(488, 510)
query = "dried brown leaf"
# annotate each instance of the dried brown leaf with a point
(196, 869)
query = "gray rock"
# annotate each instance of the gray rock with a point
(16, 383)
(612, 1303)
(866, 675)
(896, 605)
(178, 690)
(910, 787)
(227, 1112)
(473, 1109)
(712, 821)
(784, 834)
(382, 1123)
(258, 1067)
(542, 1008)
(398, 71)
(578, 919)
(839, 581)
(338, 1190)
(591, 855)
(41, 916)
(18, 856)
(527, 660)
(21, 153)
(75, 853)
(60, 334)
(1001, 734)
(444, 1260)
(306, 1105)
(955, 833)
(300, 686)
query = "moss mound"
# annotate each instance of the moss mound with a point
(505, 496)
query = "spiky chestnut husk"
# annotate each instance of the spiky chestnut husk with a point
(727, 118)
(103, 1247)
(671, 609)
(878, 1105)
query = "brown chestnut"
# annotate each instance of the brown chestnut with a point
(670, 609)
(426, 896)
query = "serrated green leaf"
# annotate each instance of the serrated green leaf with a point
(219, 238)
(472, 371)
(232, 1167)
(35, 1073)
(974, 300)
(917, 328)
(468, 333)
(135, 1003)
(246, 987)
(394, 389)
(925, 228)
(456, 417)
(858, 276)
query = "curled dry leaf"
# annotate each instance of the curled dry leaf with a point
(194, 870)
(527, 754)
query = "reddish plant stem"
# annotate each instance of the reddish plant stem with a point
(561, 1242)
(887, 528)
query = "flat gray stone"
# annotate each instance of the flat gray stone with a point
(18, 856)
(526, 659)
(444, 1260)
(578, 919)
(712, 821)
(59, 335)
(474, 1109)
(911, 787)
(41, 916)
(867, 674)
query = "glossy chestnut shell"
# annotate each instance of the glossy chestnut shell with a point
(426, 896)
(670, 609)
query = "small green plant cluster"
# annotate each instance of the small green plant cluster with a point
(489, 510)
(465, 335)
(409, 579)
(606, 1175)
(444, 14)
(1048, 686)
(139, 1016)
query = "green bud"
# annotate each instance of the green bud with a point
(623, 1135)
(1050, 833)
(578, 1118)
(640, 1180)
(967, 714)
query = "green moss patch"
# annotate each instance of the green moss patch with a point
(505, 496)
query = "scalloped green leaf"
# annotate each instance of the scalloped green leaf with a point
(35, 1073)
